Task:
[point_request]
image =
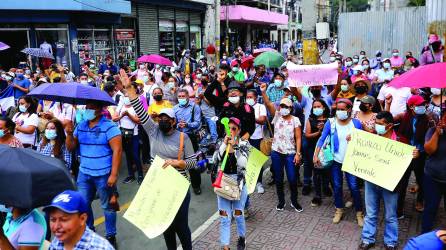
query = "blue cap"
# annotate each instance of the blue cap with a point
(70, 202)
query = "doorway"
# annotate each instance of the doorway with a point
(17, 41)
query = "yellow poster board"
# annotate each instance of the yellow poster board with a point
(377, 159)
(158, 199)
(256, 160)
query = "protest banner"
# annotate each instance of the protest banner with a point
(377, 159)
(158, 199)
(255, 163)
(312, 75)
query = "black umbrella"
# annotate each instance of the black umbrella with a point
(29, 179)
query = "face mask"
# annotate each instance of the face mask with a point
(250, 102)
(435, 91)
(126, 101)
(187, 80)
(363, 107)
(278, 83)
(380, 129)
(332, 59)
(234, 99)
(89, 114)
(360, 89)
(235, 69)
(224, 57)
(165, 126)
(361, 56)
(170, 85)
(8, 78)
(23, 108)
(348, 64)
(355, 60)
(145, 79)
(158, 97)
(355, 72)
(37, 71)
(5, 209)
(84, 82)
(92, 66)
(2, 133)
(365, 66)
(157, 66)
(318, 111)
(284, 111)
(182, 101)
(27, 72)
(142, 66)
(19, 76)
(344, 88)
(342, 115)
(199, 76)
(386, 65)
(395, 54)
(50, 134)
(419, 110)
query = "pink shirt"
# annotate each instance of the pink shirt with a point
(396, 61)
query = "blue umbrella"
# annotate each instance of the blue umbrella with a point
(38, 52)
(73, 93)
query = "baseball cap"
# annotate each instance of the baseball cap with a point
(415, 100)
(234, 85)
(168, 111)
(344, 100)
(286, 102)
(70, 202)
(368, 99)
(235, 120)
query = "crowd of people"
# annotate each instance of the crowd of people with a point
(172, 112)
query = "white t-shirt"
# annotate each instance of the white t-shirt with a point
(148, 91)
(66, 113)
(343, 131)
(259, 110)
(399, 98)
(284, 141)
(126, 122)
(26, 121)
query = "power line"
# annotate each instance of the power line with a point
(92, 6)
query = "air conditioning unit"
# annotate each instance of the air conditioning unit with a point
(322, 31)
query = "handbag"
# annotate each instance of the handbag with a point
(229, 190)
(325, 155)
(267, 143)
(201, 132)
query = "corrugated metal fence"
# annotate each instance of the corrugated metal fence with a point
(404, 29)
(436, 16)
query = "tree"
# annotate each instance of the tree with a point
(416, 3)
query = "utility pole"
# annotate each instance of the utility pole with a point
(217, 31)
(227, 27)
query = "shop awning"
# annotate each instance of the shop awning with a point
(245, 14)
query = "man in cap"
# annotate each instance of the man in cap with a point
(108, 65)
(68, 222)
(375, 63)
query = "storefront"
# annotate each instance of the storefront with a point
(69, 31)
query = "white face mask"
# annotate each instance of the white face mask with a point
(84, 82)
(284, 111)
(142, 66)
(435, 91)
(250, 101)
(234, 99)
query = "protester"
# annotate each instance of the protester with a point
(434, 51)
(208, 113)
(53, 142)
(100, 147)
(436, 101)
(435, 240)
(366, 115)
(159, 102)
(347, 90)
(398, 96)
(7, 129)
(275, 91)
(68, 213)
(26, 121)
(340, 128)
(396, 61)
(108, 65)
(20, 84)
(216, 92)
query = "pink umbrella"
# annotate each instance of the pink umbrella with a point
(431, 75)
(153, 58)
(247, 62)
(260, 51)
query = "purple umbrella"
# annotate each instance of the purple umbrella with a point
(157, 59)
(73, 93)
(4, 46)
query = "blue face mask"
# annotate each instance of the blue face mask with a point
(419, 110)
(380, 129)
(278, 83)
(342, 115)
(182, 101)
(23, 108)
(386, 65)
(318, 111)
(235, 69)
(89, 114)
(50, 134)
(2, 133)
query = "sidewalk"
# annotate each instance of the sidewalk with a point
(311, 229)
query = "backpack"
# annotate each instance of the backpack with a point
(326, 155)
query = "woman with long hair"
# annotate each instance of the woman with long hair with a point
(53, 142)
(26, 121)
(7, 128)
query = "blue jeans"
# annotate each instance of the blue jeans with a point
(307, 153)
(279, 162)
(212, 129)
(432, 197)
(337, 179)
(131, 149)
(87, 186)
(373, 195)
(180, 227)
(230, 208)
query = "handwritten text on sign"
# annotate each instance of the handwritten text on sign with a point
(158, 199)
(377, 159)
(312, 75)
(256, 160)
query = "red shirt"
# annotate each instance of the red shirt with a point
(210, 49)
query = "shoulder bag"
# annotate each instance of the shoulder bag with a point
(325, 155)
(266, 143)
(230, 189)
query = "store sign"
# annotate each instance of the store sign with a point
(125, 34)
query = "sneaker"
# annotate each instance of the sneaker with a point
(140, 179)
(260, 188)
(297, 207)
(128, 180)
(246, 213)
(316, 201)
(280, 206)
(349, 204)
(306, 190)
(197, 191)
(327, 192)
(387, 247)
(112, 240)
(365, 246)
(241, 243)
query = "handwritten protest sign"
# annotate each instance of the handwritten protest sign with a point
(377, 159)
(256, 160)
(312, 75)
(158, 199)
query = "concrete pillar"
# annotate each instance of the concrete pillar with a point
(248, 36)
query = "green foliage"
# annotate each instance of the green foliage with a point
(352, 5)
(416, 3)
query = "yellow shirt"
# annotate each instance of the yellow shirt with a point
(156, 108)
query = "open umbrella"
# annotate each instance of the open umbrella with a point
(37, 52)
(259, 51)
(73, 93)
(431, 75)
(29, 179)
(153, 58)
(3, 46)
(247, 62)
(270, 59)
